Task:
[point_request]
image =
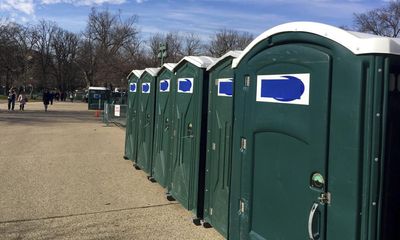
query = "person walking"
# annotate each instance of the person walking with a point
(11, 99)
(46, 99)
(22, 100)
(51, 95)
(71, 96)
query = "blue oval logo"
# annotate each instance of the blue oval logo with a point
(132, 87)
(185, 85)
(225, 88)
(146, 88)
(164, 85)
(288, 89)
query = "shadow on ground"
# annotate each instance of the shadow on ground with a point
(33, 117)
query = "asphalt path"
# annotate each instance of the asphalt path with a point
(62, 176)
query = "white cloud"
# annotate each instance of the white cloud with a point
(28, 6)
(24, 6)
(141, 1)
(84, 2)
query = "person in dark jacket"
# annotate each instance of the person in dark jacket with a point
(46, 99)
(51, 96)
(11, 99)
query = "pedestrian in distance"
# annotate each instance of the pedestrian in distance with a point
(46, 99)
(11, 99)
(71, 96)
(51, 96)
(22, 99)
(62, 96)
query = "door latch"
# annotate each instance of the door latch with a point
(325, 198)
(243, 144)
(241, 206)
(247, 81)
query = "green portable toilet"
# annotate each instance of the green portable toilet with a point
(190, 94)
(132, 116)
(316, 136)
(147, 82)
(162, 125)
(219, 142)
(97, 97)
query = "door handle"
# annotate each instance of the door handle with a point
(310, 221)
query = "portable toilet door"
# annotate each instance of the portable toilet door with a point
(97, 96)
(309, 134)
(162, 126)
(147, 82)
(190, 90)
(128, 141)
(131, 130)
(219, 143)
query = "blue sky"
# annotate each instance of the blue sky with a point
(203, 17)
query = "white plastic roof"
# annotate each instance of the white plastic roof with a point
(97, 88)
(169, 66)
(198, 61)
(152, 71)
(233, 54)
(137, 73)
(358, 43)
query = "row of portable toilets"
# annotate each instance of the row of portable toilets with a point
(296, 137)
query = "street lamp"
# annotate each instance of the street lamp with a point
(162, 52)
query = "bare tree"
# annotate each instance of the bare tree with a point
(104, 47)
(227, 39)
(174, 43)
(8, 55)
(15, 53)
(193, 45)
(384, 21)
(87, 61)
(65, 45)
(133, 54)
(173, 40)
(44, 33)
(154, 45)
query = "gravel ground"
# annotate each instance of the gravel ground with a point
(62, 176)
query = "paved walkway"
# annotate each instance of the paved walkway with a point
(62, 176)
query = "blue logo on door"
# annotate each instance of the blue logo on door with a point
(145, 87)
(225, 87)
(285, 88)
(282, 90)
(132, 87)
(185, 85)
(164, 85)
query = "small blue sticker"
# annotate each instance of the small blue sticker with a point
(185, 85)
(225, 87)
(132, 87)
(164, 85)
(145, 87)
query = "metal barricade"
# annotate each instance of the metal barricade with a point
(115, 113)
